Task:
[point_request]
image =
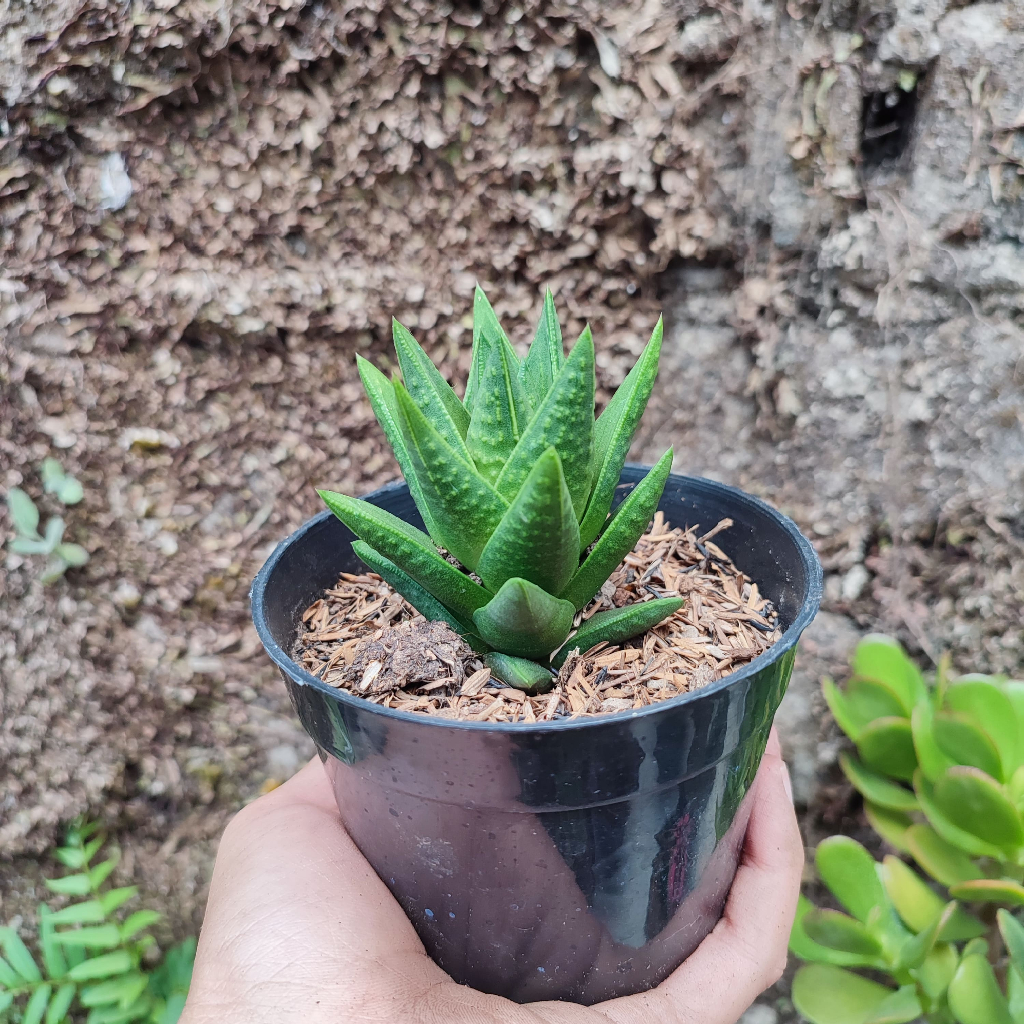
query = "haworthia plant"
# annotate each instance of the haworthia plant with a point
(516, 481)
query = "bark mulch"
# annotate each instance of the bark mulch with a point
(364, 637)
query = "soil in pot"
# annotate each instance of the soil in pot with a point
(364, 637)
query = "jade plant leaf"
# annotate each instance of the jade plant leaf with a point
(619, 624)
(565, 422)
(966, 840)
(891, 825)
(976, 803)
(887, 746)
(842, 711)
(804, 947)
(841, 932)
(920, 906)
(883, 659)
(946, 863)
(981, 701)
(628, 525)
(966, 743)
(974, 995)
(411, 550)
(930, 756)
(537, 372)
(990, 890)
(613, 434)
(871, 699)
(1012, 932)
(538, 538)
(914, 951)
(877, 788)
(465, 508)
(935, 974)
(831, 995)
(521, 673)
(850, 873)
(524, 620)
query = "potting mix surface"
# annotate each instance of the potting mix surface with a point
(364, 637)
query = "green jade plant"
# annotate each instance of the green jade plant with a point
(516, 481)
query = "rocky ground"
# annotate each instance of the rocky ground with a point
(207, 208)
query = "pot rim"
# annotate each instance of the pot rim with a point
(788, 640)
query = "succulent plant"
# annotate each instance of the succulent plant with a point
(939, 766)
(516, 482)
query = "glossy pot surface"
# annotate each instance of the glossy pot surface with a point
(577, 859)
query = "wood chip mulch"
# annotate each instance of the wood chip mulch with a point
(366, 638)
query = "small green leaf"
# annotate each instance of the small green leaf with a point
(882, 658)
(36, 1006)
(831, 995)
(137, 922)
(842, 711)
(53, 955)
(28, 546)
(60, 1004)
(620, 536)
(871, 699)
(70, 856)
(89, 912)
(966, 743)
(70, 491)
(1015, 993)
(8, 979)
(891, 825)
(464, 508)
(24, 513)
(114, 898)
(850, 873)
(565, 422)
(101, 936)
(935, 974)
(74, 554)
(538, 538)
(55, 569)
(1012, 932)
(523, 620)
(424, 602)
(946, 863)
(887, 746)
(121, 991)
(18, 955)
(101, 872)
(411, 550)
(804, 947)
(976, 803)
(52, 474)
(618, 624)
(919, 906)
(930, 757)
(952, 833)
(105, 966)
(901, 1007)
(985, 704)
(6, 999)
(838, 931)
(877, 788)
(974, 995)
(913, 952)
(990, 890)
(613, 434)
(487, 331)
(520, 673)
(546, 357)
(115, 1015)
(54, 531)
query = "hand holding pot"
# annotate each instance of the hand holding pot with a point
(299, 928)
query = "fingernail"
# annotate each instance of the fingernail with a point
(787, 783)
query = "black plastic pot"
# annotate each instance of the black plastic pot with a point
(575, 859)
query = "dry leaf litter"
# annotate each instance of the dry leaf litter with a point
(364, 637)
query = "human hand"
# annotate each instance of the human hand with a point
(299, 928)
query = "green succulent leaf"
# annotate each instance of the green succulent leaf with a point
(881, 658)
(105, 966)
(538, 370)
(831, 995)
(60, 1004)
(8, 978)
(565, 422)
(1012, 932)
(36, 1006)
(974, 996)
(70, 885)
(871, 699)
(487, 331)
(935, 974)
(976, 803)
(520, 673)
(1015, 993)
(946, 863)
(613, 434)
(914, 951)
(804, 947)
(990, 890)
(891, 825)
(121, 991)
(411, 550)
(54, 531)
(850, 873)
(620, 536)
(920, 906)
(381, 393)
(101, 936)
(618, 624)
(842, 711)
(930, 756)
(24, 513)
(840, 932)
(429, 390)
(966, 840)
(984, 703)
(420, 598)
(18, 955)
(524, 620)
(966, 743)
(74, 554)
(887, 746)
(464, 508)
(877, 788)
(538, 538)
(500, 414)
(28, 546)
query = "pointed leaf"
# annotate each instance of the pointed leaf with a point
(137, 922)
(423, 601)
(920, 906)
(500, 415)
(36, 1006)
(104, 966)
(974, 995)
(565, 422)
(948, 830)
(966, 743)
(850, 873)
(930, 757)
(804, 947)
(60, 1004)
(114, 898)
(619, 624)
(487, 331)
(913, 952)
(613, 434)
(89, 912)
(18, 956)
(523, 620)
(429, 390)
(887, 746)
(546, 356)
(877, 788)
(53, 955)
(8, 978)
(901, 1007)
(990, 890)
(882, 658)
(1012, 932)
(24, 513)
(946, 863)
(121, 991)
(528, 676)
(101, 936)
(831, 995)
(983, 702)
(891, 825)
(840, 931)
(465, 508)
(620, 536)
(411, 550)
(975, 802)
(99, 874)
(538, 538)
